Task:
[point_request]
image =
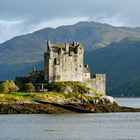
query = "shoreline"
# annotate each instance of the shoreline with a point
(54, 108)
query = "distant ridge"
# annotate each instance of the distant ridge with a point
(110, 49)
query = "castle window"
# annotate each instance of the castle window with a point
(56, 61)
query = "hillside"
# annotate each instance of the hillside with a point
(121, 63)
(30, 47)
(109, 49)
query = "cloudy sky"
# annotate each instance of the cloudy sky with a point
(24, 16)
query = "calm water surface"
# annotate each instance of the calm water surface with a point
(103, 126)
(130, 102)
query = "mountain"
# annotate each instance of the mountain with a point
(109, 49)
(30, 47)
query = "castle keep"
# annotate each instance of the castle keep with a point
(65, 62)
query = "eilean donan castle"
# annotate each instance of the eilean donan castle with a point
(65, 62)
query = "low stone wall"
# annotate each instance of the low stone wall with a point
(98, 82)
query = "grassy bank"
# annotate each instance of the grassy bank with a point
(62, 97)
(64, 92)
(22, 97)
(25, 103)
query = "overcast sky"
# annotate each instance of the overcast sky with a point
(24, 16)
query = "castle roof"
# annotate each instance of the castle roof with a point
(86, 69)
(58, 47)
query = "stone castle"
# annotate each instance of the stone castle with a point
(65, 62)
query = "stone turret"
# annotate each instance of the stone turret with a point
(67, 47)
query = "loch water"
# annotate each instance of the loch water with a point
(76, 126)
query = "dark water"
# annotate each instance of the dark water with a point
(103, 126)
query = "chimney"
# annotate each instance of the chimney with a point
(74, 43)
(87, 66)
(67, 47)
(48, 45)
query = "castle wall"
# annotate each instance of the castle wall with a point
(46, 67)
(98, 83)
(70, 68)
(86, 75)
(64, 65)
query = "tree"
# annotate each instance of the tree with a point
(5, 88)
(29, 87)
(9, 86)
(13, 86)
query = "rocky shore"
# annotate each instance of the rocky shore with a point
(54, 108)
(62, 97)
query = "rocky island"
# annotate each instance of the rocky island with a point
(61, 97)
(65, 85)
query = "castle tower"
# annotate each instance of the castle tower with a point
(63, 62)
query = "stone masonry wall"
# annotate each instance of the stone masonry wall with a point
(64, 65)
(98, 83)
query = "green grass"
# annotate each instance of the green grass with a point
(49, 97)
(62, 87)
(23, 94)
(58, 92)
(12, 98)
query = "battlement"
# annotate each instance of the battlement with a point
(98, 76)
(65, 48)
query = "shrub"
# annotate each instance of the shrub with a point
(62, 87)
(56, 87)
(9, 86)
(13, 86)
(29, 87)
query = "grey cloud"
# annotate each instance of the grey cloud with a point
(36, 10)
(35, 14)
